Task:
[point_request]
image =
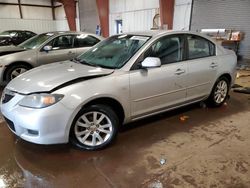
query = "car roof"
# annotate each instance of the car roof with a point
(18, 31)
(153, 33)
(158, 33)
(150, 33)
(66, 32)
(57, 33)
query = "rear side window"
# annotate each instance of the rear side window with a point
(85, 41)
(199, 47)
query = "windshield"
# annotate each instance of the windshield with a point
(8, 33)
(35, 41)
(113, 52)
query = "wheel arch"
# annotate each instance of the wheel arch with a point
(226, 75)
(210, 100)
(13, 64)
(111, 102)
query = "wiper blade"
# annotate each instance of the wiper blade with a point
(87, 63)
(106, 67)
(75, 60)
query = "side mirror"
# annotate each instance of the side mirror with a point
(151, 62)
(47, 48)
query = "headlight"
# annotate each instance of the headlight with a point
(40, 100)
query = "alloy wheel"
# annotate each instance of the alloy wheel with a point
(16, 72)
(93, 128)
(220, 92)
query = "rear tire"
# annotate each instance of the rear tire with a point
(15, 70)
(219, 93)
(94, 127)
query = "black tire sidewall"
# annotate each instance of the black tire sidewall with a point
(99, 108)
(211, 100)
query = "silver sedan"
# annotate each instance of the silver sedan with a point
(122, 79)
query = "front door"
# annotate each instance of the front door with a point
(155, 89)
(62, 49)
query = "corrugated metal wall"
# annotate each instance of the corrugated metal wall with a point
(37, 19)
(38, 26)
(88, 15)
(229, 14)
(182, 11)
(136, 15)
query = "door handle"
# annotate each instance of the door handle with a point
(70, 52)
(179, 71)
(213, 65)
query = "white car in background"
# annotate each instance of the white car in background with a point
(43, 49)
(122, 79)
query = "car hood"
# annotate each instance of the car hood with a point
(49, 78)
(5, 50)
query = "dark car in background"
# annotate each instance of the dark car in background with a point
(14, 37)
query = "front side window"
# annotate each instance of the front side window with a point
(113, 52)
(84, 40)
(62, 42)
(36, 41)
(169, 49)
(199, 47)
(29, 34)
(20, 34)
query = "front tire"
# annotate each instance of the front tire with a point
(15, 70)
(94, 127)
(219, 93)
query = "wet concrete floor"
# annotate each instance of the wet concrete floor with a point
(209, 148)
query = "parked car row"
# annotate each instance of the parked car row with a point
(43, 49)
(119, 80)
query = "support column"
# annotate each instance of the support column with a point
(167, 13)
(20, 9)
(53, 9)
(70, 10)
(103, 11)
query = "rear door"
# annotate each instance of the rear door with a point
(62, 49)
(82, 42)
(202, 66)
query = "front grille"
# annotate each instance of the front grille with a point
(7, 98)
(10, 124)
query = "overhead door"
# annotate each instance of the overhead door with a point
(228, 14)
